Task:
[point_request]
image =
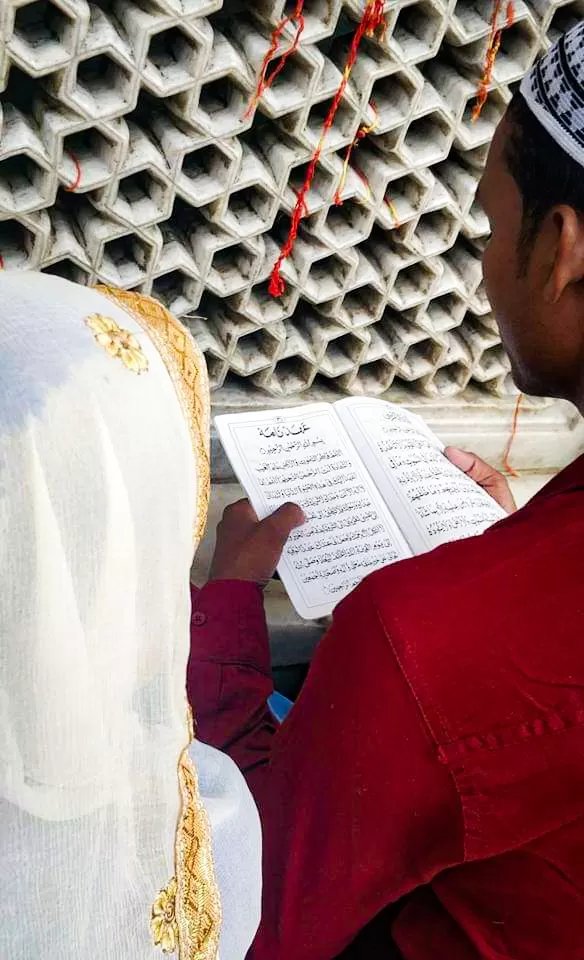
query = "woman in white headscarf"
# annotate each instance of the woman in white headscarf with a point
(119, 836)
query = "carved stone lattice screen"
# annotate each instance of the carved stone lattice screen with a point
(128, 155)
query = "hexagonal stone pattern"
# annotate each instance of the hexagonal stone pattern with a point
(132, 151)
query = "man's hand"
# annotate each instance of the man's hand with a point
(486, 476)
(248, 548)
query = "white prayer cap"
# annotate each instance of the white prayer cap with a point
(554, 91)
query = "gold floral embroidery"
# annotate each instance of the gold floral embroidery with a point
(117, 342)
(186, 366)
(186, 915)
(163, 925)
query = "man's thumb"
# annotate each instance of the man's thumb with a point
(283, 521)
(462, 459)
(484, 474)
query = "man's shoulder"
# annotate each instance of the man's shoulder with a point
(541, 543)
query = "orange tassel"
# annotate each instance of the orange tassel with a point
(365, 182)
(73, 186)
(506, 464)
(371, 21)
(491, 55)
(361, 133)
(391, 207)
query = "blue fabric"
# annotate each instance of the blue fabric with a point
(280, 706)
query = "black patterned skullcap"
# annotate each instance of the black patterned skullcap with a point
(554, 91)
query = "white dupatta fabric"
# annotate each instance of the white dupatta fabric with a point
(103, 492)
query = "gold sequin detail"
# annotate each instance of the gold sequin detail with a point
(186, 366)
(117, 342)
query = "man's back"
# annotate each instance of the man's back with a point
(489, 634)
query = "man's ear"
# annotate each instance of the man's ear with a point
(567, 259)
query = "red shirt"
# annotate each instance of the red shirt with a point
(435, 758)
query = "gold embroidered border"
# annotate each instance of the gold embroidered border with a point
(197, 908)
(186, 915)
(198, 904)
(186, 366)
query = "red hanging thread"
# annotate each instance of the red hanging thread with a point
(304, 204)
(265, 82)
(1, 262)
(361, 134)
(372, 20)
(491, 55)
(506, 464)
(73, 186)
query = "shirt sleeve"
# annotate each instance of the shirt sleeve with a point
(229, 675)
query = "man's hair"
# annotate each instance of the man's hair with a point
(545, 174)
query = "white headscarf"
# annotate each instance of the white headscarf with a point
(103, 486)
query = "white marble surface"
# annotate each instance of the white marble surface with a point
(526, 485)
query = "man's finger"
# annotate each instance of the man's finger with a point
(283, 521)
(484, 474)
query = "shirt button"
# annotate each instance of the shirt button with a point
(199, 619)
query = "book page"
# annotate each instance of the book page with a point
(303, 455)
(432, 500)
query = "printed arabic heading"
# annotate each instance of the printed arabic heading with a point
(282, 429)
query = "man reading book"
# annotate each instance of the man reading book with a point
(425, 797)
(371, 480)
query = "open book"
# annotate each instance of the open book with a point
(372, 480)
